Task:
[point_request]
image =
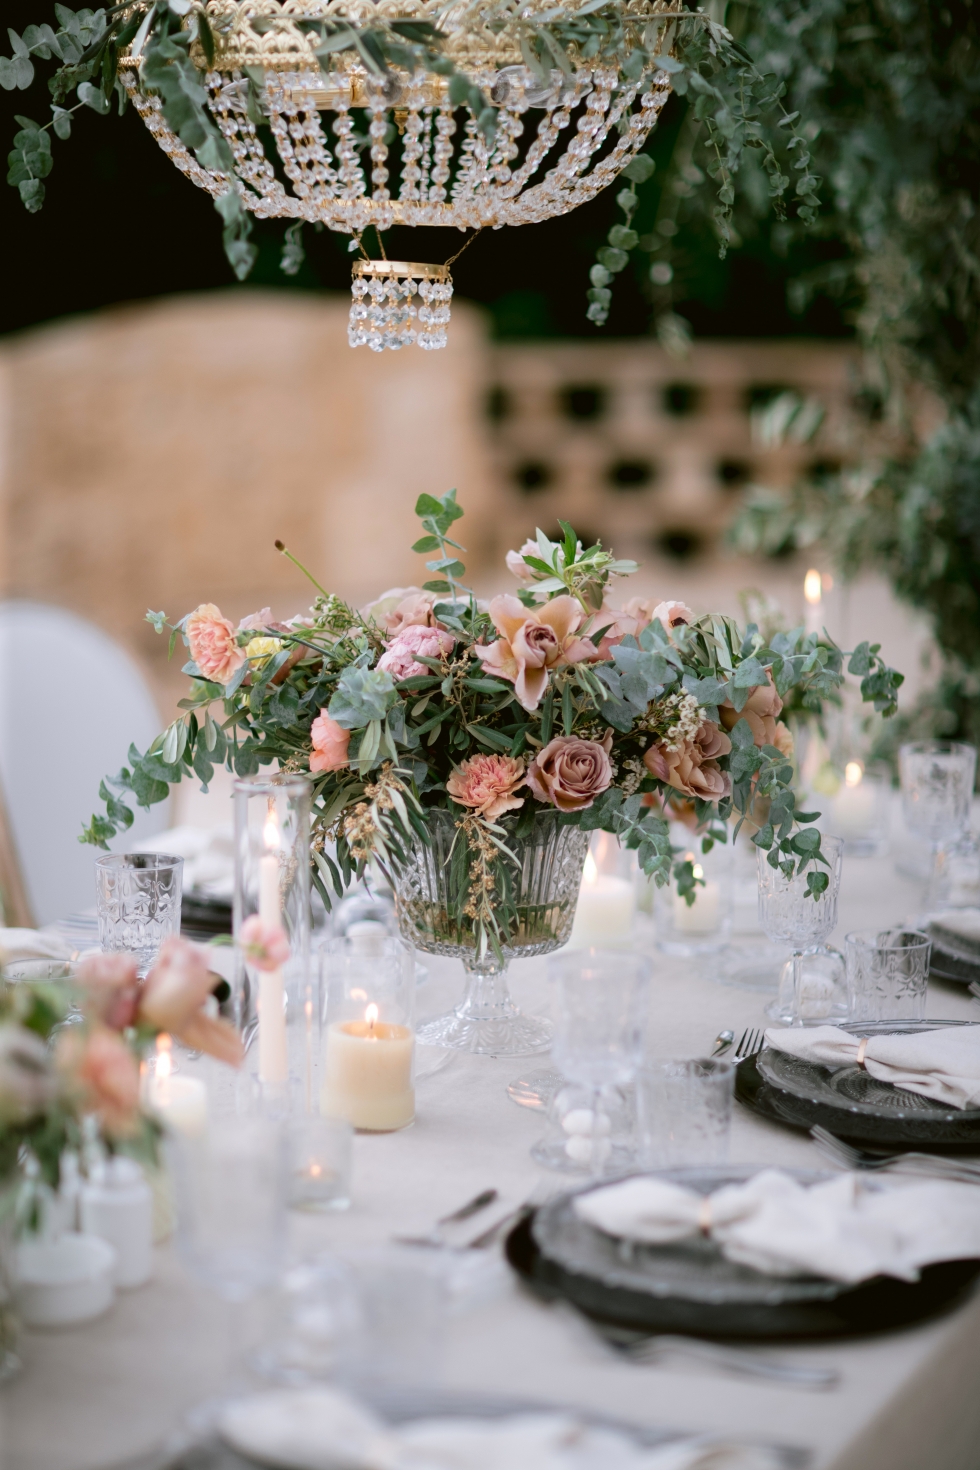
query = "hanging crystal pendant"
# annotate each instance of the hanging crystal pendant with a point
(383, 311)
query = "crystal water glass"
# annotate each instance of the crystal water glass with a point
(138, 899)
(684, 1111)
(887, 974)
(789, 915)
(937, 779)
(601, 1001)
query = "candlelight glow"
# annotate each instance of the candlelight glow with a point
(590, 872)
(698, 870)
(812, 587)
(371, 1016)
(270, 832)
(853, 773)
(165, 1062)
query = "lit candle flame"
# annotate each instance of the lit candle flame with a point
(813, 587)
(590, 872)
(165, 1062)
(698, 871)
(853, 773)
(371, 1016)
(270, 832)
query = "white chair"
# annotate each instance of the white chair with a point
(71, 702)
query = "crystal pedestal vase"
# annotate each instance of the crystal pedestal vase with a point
(534, 902)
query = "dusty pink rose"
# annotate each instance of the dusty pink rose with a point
(266, 946)
(173, 998)
(570, 773)
(111, 989)
(516, 564)
(100, 1073)
(783, 740)
(211, 639)
(532, 641)
(487, 784)
(672, 614)
(762, 710)
(330, 744)
(614, 624)
(413, 611)
(400, 657)
(693, 767)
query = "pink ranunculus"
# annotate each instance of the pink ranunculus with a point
(100, 1074)
(672, 614)
(570, 773)
(400, 656)
(693, 769)
(212, 643)
(330, 744)
(762, 710)
(533, 641)
(516, 564)
(487, 784)
(111, 989)
(173, 999)
(266, 946)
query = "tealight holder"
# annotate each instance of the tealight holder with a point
(607, 897)
(857, 810)
(368, 1072)
(704, 926)
(275, 983)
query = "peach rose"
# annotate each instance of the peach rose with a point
(211, 639)
(401, 607)
(173, 998)
(693, 767)
(266, 946)
(614, 624)
(516, 564)
(570, 773)
(487, 784)
(532, 641)
(111, 988)
(330, 744)
(101, 1073)
(762, 710)
(400, 656)
(783, 740)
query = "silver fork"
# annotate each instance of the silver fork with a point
(749, 1043)
(733, 1360)
(933, 1165)
(435, 1236)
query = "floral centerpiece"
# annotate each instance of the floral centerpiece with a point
(562, 701)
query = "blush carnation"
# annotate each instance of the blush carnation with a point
(400, 657)
(211, 639)
(487, 784)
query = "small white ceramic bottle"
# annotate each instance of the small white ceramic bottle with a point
(116, 1203)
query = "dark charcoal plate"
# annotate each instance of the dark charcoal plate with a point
(203, 918)
(854, 1105)
(692, 1289)
(945, 966)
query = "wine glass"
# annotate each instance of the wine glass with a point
(937, 778)
(789, 915)
(601, 1005)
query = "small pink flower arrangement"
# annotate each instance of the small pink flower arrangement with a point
(266, 946)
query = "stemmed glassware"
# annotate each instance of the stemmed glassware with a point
(789, 915)
(600, 1016)
(937, 779)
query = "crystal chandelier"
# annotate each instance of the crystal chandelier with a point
(325, 137)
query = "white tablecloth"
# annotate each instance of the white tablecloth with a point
(101, 1394)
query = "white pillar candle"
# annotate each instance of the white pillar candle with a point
(180, 1103)
(813, 597)
(368, 1073)
(605, 908)
(853, 808)
(702, 916)
(273, 1052)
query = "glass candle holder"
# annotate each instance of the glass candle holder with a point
(790, 915)
(319, 1164)
(138, 899)
(606, 897)
(704, 926)
(937, 779)
(368, 1074)
(858, 811)
(275, 991)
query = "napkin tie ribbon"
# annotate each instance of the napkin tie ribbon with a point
(861, 1050)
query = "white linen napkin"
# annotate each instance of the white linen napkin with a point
(943, 1064)
(30, 944)
(845, 1229)
(323, 1429)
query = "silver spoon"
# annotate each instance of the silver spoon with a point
(723, 1041)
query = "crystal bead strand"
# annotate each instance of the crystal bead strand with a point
(228, 109)
(425, 157)
(467, 170)
(434, 313)
(442, 153)
(150, 110)
(604, 173)
(547, 135)
(412, 148)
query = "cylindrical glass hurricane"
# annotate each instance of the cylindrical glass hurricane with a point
(275, 994)
(369, 1043)
(533, 895)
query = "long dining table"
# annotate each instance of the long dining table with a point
(104, 1394)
